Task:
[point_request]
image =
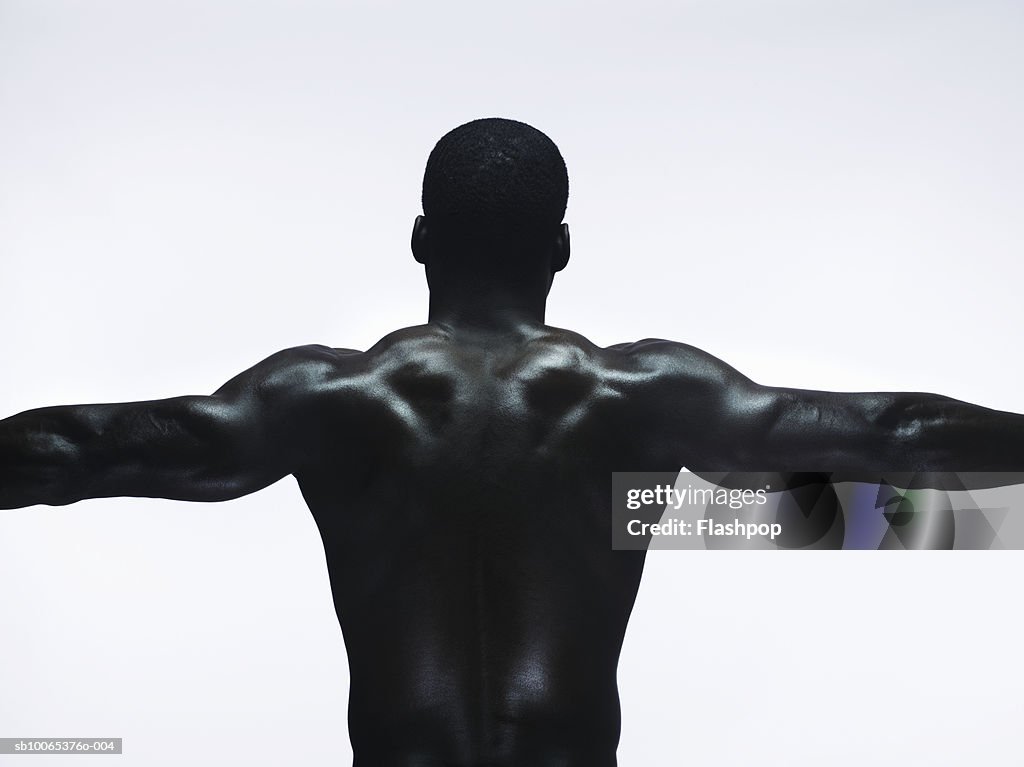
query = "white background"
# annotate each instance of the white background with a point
(824, 194)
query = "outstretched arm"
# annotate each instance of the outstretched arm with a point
(254, 430)
(729, 423)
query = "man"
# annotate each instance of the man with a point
(459, 470)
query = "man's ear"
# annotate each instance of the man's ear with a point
(420, 240)
(560, 256)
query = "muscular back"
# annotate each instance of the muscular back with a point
(469, 548)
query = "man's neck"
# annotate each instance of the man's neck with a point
(486, 308)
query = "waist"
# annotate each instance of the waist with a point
(462, 732)
(540, 757)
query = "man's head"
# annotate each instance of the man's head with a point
(494, 194)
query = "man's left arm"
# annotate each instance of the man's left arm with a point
(251, 432)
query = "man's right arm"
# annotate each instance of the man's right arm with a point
(710, 418)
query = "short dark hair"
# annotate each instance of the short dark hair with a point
(496, 179)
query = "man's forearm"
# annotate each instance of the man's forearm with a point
(909, 440)
(933, 441)
(39, 457)
(933, 433)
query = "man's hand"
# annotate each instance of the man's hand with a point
(258, 427)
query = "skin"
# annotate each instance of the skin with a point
(459, 473)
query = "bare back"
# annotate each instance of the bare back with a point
(469, 550)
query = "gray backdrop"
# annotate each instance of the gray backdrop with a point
(824, 194)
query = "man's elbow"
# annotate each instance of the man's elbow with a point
(40, 466)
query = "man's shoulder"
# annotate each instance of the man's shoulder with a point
(646, 370)
(300, 363)
(298, 373)
(318, 368)
(656, 360)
